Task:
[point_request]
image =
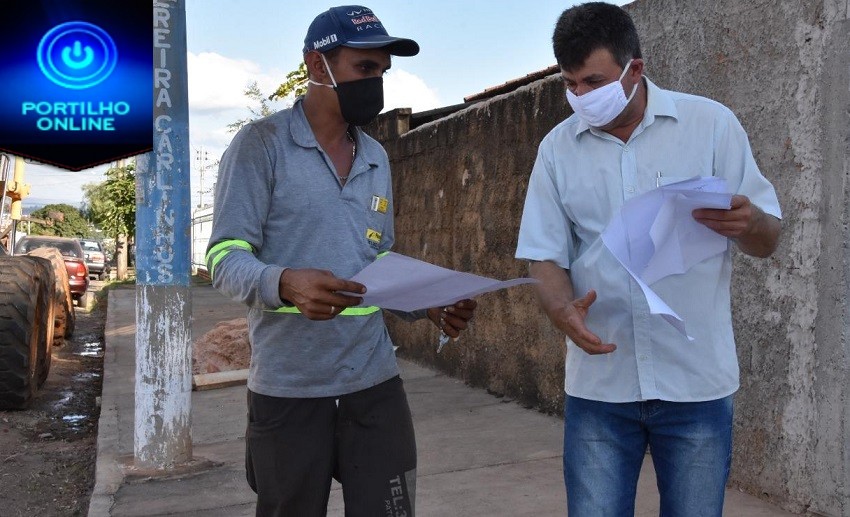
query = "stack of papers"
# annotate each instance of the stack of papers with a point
(655, 235)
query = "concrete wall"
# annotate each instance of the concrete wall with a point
(460, 183)
(784, 67)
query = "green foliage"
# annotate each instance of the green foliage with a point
(294, 86)
(112, 204)
(262, 110)
(62, 220)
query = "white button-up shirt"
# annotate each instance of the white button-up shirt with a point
(580, 180)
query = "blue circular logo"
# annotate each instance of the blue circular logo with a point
(77, 55)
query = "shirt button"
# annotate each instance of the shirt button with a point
(642, 357)
(630, 189)
(626, 149)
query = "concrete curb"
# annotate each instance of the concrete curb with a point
(108, 474)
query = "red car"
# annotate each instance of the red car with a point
(72, 252)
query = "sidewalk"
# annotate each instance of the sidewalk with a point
(478, 455)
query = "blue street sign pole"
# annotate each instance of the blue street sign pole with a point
(163, 403)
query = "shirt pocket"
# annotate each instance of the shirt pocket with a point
(663, 181)
(685, 170)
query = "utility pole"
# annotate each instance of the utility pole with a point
(121, 244)
(201, 156)
(163, 437)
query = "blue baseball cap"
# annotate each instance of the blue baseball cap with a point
(354, 26)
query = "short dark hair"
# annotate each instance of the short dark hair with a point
(588, 27)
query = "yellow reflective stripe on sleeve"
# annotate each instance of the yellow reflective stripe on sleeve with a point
(382, 254)
(351, 311)
(226, 244)
(220, 250)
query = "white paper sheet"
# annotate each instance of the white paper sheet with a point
(403, 283)
(655, 235)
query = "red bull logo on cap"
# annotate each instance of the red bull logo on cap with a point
(367, 18)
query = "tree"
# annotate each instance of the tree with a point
(263, 110)
(294, 86)
(62, 220)
(111, 204)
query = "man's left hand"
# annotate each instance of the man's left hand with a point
(755, 232)
(735, 222)
(453, 318)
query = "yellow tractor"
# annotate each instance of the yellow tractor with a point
(36, 310)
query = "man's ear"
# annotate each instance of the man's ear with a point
(637, 66)
(315, 66)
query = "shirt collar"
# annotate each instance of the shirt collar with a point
(658, 104)
(302, 134)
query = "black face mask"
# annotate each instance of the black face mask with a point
(360, 101)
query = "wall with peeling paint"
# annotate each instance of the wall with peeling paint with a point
(784, 68)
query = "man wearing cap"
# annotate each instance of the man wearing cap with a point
(632, 380)
(304, 201)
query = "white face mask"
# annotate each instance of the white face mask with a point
(600, 106)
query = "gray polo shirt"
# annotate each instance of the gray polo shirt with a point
(279, 204)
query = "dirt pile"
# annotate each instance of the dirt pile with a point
(223, 348)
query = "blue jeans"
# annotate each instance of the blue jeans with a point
(605, 443)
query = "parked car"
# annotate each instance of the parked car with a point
(95, 258)
(72, 253)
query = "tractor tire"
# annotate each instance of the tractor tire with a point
(46, 316)
(19, 331)
(64, 310)
(70, 320)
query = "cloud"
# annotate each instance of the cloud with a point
(218, 83)
(216, 99)
(51, 184)
(405, 90)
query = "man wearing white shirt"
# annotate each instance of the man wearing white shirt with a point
(632, 380)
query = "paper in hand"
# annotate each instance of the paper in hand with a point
(655, 235)
(403, 283)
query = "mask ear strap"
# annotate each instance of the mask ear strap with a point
(626, 69)
(327, 66)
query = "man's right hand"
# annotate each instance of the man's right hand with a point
(315, 292)
(571, 321)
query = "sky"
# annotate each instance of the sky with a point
(466, 47)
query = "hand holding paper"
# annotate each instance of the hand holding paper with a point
(406, 284)
(734, 222)
(655, 235)
(318, 294)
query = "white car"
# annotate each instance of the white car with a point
(95, 258)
